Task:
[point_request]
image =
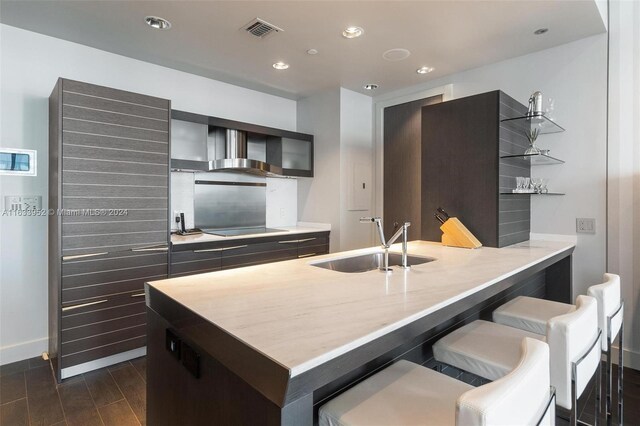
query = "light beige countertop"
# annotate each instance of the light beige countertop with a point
(302, 316)
(301, 228)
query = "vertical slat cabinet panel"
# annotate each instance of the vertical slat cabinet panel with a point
(115, 149)
(110, 179)
(514, 211)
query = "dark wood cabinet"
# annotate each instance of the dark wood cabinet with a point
(109, 182)
(462, 142)
(189, 259)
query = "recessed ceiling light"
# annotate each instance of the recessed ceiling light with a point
(312, 51)
(281, 65)
(397, 54)
(352, 32)
(157, 22)
(370, 86)
(540, 31)
(424, 70)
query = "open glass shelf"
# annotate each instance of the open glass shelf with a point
(544, 124)
(531, 193)
(536, 159)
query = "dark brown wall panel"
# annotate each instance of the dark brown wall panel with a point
(402, 165)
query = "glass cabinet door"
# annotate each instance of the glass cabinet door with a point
(297, 157)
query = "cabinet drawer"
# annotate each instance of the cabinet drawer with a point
(254, 254)
(313, 240)
(148, 273)
(111, 309)
(308, 251)
(195, 261)
(195, 255)
(109, 275)
(110, 337)
(114, 242)
(91, 354)
(195, 267)
(102, 327)
(107, 290)
(112, 261)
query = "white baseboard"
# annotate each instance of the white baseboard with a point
(102, 362)
(23, 350)
(630, 358)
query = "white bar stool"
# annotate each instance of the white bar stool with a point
(531, 314)
(489, 350)
(410, 394)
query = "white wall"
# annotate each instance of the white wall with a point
(318, 198)
(341, 121)
(30, 65)
(356, 159)
(573, 74)
(624, 165)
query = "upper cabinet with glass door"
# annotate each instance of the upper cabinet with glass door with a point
(200, 139)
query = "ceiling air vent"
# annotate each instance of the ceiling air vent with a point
(260, 28)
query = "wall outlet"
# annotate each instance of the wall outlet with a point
(585, 225)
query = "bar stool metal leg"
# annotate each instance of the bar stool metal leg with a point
(609, 378)
(609, 366)
(620, 377)
(598, 408)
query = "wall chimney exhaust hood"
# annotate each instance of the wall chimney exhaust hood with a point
(235, 159)
(209, 144)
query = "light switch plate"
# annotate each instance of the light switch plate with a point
(585, 225)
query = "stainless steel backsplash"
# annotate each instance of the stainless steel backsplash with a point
(229, 200)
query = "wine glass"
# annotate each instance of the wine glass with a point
(537, 184)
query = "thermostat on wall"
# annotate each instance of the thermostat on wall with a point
(22, 202)
(18, 162)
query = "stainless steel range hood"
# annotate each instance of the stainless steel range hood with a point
(235, 159)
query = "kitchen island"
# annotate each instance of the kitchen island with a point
(268, 344)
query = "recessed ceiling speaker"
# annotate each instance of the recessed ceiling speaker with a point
(397, 54)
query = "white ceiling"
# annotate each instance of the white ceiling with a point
(206, 38)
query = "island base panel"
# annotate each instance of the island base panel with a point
(220, 396)
(217, 397)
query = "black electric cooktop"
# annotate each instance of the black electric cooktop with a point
(232, 232)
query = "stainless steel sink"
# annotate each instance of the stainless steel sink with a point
(368, 262)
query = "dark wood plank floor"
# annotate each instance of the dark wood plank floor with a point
(114, 396)
(117, 396)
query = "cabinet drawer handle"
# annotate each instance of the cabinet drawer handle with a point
(152, 248)
(82, 305)
(81, 256)
(234, 247)
(219, 249)
(296, 241)
(306, 239)
(138, 295)
(306, 255)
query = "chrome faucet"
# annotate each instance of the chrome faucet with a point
(404, 231)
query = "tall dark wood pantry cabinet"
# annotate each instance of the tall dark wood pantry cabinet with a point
(463, 141)
(109, 185)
